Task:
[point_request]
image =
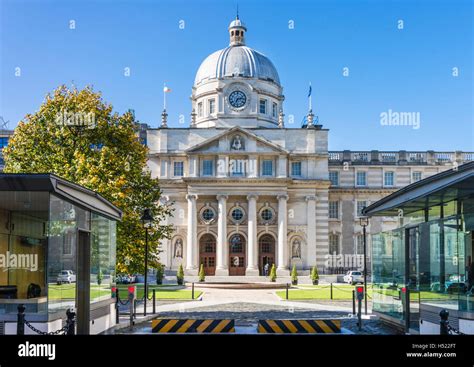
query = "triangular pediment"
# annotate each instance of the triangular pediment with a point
(236, 140)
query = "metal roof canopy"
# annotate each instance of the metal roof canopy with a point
(67, 190)
(434, 190)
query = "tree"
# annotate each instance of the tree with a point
(202, 274)
(77, 136)
(180, 275)
(294, 275)
(315, 275)
(273, 273)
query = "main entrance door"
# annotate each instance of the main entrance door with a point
(207, 253)
(266, 252)
(237, 255)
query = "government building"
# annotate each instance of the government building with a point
(248, 191)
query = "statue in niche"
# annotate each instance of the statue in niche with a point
(237, 143)
(296, 249)
(178, 248)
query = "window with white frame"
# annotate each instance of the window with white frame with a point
(416, 176)
(360, 206)
(359, 245)
(334, 178)
(334, 210)
(263, 106)
(200, 111)
(178, 169)
(212, 106)
(267, 167)
(334, 244)
(389, 178)
(207, 167)
(296, 169)
(361, 178)
(274, 109)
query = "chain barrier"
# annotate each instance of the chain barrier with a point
(63, 330)
(454, 331)
(67, 329)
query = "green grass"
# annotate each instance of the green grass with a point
(323, 292)
(68, 291)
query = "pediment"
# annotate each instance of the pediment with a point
(236, 140)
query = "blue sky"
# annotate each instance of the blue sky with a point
(407, 70)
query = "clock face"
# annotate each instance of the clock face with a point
(237, 99)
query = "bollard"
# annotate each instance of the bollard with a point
(287, 286)
(20, 326)
(331, 290)
(359, 315)
(71, 322)
(192, 292)
(443, 324)
(353, 302)
(117, 308)
(154, 300)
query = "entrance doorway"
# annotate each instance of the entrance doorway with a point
(207, 253)
(237, 255)
(266, 252)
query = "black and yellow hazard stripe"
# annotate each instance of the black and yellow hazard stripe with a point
(192, 326)
(299, 326)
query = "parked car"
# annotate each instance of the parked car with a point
(354, 277)
(66, 276)
(123, 279)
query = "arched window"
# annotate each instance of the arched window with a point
(236, 243)
(208, 243)
(266, 243)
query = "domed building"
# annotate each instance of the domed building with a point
(248, 191)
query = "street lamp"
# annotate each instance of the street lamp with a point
(146, 219)
(364, 222)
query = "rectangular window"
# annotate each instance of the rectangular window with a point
(274, 109)
(334, 178)
(200, 109)
(334, 244)
(388, 178)
(267, 167)
(3, 142)
(359, 245)
(296, 169)
(178, 169)
(361, 205)
(416, 176)
(263, 106)
(334, 209)
(207, 167)
(361, 179)
(237, 167)
(212, 106)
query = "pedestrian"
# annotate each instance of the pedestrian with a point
(265, 269)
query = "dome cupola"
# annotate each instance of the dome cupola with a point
(237, 32)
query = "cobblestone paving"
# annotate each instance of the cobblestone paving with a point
(248, 314)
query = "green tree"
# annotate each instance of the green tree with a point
(294, 275)
(202, 274)
(314, 275)
(273, 273)
(180, 275)
(77, 136)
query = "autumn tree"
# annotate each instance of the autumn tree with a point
(77, 136)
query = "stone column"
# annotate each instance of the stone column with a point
(221, 250)
(282, 262)
(311, 230)
(252, 262)
(192, 246)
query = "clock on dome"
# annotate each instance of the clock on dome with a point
(237, 99)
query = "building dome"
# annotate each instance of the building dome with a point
(237, 61)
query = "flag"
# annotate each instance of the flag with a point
(166, 89)
(310, 90)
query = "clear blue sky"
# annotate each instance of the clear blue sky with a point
(407, 70)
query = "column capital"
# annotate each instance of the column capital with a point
(191, 196)
(282, 197)
(222, 197)
(311, 197)
(252, 196)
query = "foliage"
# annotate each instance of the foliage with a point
(314, 275)
(202, 274)
(180, 275)
(294, 275)
(160, 272)
(100, 277)
(273, 273)
(77, 136)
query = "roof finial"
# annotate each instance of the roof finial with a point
(237, 17)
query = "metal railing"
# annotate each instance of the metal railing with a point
(68, 329)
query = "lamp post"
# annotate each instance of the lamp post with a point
(364, 222)
(146, 218)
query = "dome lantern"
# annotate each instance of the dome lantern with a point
(237, 32)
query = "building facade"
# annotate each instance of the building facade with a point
(247, 191)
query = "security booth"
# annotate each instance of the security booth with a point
(426, 265)
(57, 252)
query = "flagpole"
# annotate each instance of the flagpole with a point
(164, 96)
(310, 97)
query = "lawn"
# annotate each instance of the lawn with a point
(305, 292)
(68, 291)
